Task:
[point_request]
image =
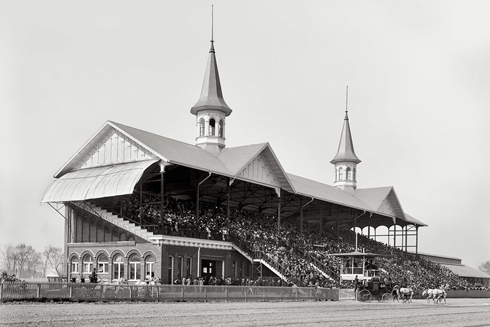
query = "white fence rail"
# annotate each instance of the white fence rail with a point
(105, 292)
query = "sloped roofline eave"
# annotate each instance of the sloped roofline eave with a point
(286, 177)
(61, 172)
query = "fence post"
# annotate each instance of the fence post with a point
(38, 293)
(226, 294)
(183, 296)
(130, 293)
(206, 294)
(1, 292)
(70, 294)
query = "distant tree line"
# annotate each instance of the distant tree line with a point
(485, 267)
(24, 261)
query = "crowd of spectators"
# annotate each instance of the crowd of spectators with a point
(295, 255)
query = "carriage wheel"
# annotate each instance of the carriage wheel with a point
(387, 297)
(364, 296)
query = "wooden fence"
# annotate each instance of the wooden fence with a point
(105, 292)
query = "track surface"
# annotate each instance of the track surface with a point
(457, 312)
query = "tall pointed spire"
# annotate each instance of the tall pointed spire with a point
(211, 94)
(345, 151)
(346, 160)
(211, 109)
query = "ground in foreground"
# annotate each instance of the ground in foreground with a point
(457, 312)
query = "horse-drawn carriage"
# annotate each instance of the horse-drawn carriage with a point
(361, 269)
(375, 289)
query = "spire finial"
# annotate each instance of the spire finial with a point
(212, 29)
(346, 101)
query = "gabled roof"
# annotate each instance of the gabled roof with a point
(238, 157)
(176, 152)
(345, 152)
(379, 198)
(230, 162)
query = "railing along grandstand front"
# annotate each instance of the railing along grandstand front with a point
(105, 292)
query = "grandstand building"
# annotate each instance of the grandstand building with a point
(137, 203)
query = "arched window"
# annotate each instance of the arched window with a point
(118, 267)
(74, 264)
(88, 263)
(102, 264)
(348, 174)
(201, 127)
(122, 237)
(114, 236)
(341, 174)
(135, 267)
(150, 266)
(212, 127)
(220, 128)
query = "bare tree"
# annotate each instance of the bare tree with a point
(485, 267)
(7, 258)
(53, 257)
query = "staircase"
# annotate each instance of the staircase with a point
(116, 220)
(271, 268)
(242, 252)
(324, 270)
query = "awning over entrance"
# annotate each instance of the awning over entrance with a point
(99, 182)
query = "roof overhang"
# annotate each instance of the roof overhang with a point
(98, 182)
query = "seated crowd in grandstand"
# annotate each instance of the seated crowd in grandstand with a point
(286, 249)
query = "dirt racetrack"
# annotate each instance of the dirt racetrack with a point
(457, 312)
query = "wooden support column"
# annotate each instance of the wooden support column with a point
(394, 232)
(321, 221)
(228, 184)
(278, 192)
(337, 225)
(301, 216)
(417, 239)
(406, 238)
(162, 194)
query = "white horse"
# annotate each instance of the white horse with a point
(427, 294)
(439, 294)
(406, 292)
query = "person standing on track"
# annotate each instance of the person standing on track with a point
(356, 285)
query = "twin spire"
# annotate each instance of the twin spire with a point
(211, 109)
(346, 152)
(346, 160)
(211, 93)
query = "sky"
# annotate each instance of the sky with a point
(418, 74)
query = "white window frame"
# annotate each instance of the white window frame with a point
(136, 265)
(88, 266)
(74, 266)
(105, 267)
(149, 268)
(118, 270)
